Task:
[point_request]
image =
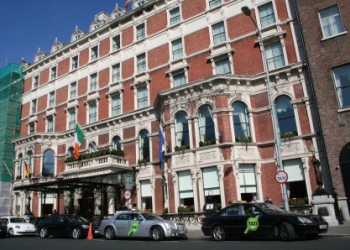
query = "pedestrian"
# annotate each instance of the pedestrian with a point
(255, 199)
(268, 200)
(54, 211)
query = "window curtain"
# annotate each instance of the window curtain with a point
(206, 124)
(179, 127)
(241, 120)
(144, 144)
(48, 162)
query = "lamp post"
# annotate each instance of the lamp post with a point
(246, 11)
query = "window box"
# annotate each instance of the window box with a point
(207, 143)
(143, 161)
(182, 148)
(289, 135)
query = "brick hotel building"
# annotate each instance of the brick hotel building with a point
(188, 71)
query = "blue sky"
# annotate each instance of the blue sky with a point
(27, 25)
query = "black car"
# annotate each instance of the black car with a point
(69, 225)
(3, 228)
(243, 220)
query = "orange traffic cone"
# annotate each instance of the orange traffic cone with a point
(90, 236)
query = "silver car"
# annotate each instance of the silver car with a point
(141, 224)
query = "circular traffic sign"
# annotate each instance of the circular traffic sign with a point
(281, 176)
(127, 194)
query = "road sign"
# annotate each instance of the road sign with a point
(281, 176)
(127, 194)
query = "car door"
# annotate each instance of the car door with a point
(137, 226)
(255, 222)
(122, 224)
(229, 219)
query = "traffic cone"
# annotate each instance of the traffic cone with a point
(90, 236)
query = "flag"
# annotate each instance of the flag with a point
(78, 139)
(126, 4)
(161, 143)
(26, 170)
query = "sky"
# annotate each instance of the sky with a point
(26, 25)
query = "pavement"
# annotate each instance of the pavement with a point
(342, 230)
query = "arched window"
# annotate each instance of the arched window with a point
(20, 166)
(116, 143)
(48, 162)
(181, 130)
(206, 125)
(30, 161)
(92, 147)
(285, 116)
(241, 120)
(144, 145)
(70, 151)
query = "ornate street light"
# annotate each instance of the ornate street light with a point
(246, 11)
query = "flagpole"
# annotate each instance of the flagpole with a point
(7, 169)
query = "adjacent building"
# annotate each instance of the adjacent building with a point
(172, 100)
(325, 26)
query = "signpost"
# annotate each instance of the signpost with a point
(281, 177)
(127, 194)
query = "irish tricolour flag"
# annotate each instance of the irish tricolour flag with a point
(78, 139)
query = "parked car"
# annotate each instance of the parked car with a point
(68, 225)
(141, 224)
(3, 228)
(18, 226)
(243, 220)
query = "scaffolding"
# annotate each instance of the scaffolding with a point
(11, 86)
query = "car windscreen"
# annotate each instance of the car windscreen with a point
(151, 216)
(269, 208)
(17, 220)
(76, 218)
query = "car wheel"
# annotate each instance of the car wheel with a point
(157, 233)
(110, 233)
(76, 234)
(286, 231)
(218, 233)
(44, 233)
(10, 232)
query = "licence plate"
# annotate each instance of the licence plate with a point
(323, 226)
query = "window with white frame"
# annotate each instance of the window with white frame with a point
(141, 63)
(116, 73)
(185, 189)
(296, 186)
(92, 112)
(341, 78)
(267, 15)
(71, 118)
(70, 151)
(53, 73)
(30, 161)
(33, 106)
(142, 96)
(285, 115)
(241, 121)
(214, 3)
(182, 136)
(177, 49)
(223, 66)
(146, 195)
(274, 55)
(211, 185)
(219, 34)
(144, 150)
(206, 125)
(31, 126)
(93, 82)
(48, 167)
(94, 53)
(115, 105)
(331, 21)
(49, 124)
(247, 182)
(74, 62)
(92, 147)
(116, 143)
(116, 42)
(175, 17)
(179, 79)
(140, 32)
(73, 90)
(51, 99)
(20, 166)
(35, 82)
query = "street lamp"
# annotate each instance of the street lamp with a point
(246, 11)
